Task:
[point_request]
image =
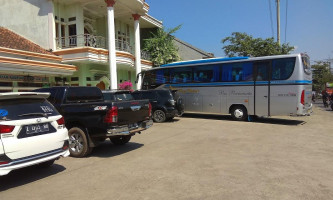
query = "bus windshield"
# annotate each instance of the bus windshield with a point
(306, 64)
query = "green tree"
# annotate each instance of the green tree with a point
(242, 44)
(161, 46)
(321, 75)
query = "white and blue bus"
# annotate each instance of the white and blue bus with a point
(241, 86)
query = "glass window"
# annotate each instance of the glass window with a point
(237, 72)
(306, 64)
(162, 76)
(124, 97)
(108, 96)
(149, 78)
(16, 108)
(262, 71)
(283, 68)
(206, 73)
(181, 75)
(148, 95)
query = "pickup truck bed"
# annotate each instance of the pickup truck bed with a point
(90, 119)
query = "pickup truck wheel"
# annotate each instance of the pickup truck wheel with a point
(121, 140)
(159, 116)
(78, 143)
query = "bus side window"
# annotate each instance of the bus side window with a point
(247, 71)
(237, 72)
(227, 72)
(283, 68)
(205, 74)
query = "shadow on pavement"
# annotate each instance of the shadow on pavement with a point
(107, 149)
(27, 175)
(288, 122)
(277, 121)
(207, 116)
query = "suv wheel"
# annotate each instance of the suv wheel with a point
(159, 116)
(78, 142)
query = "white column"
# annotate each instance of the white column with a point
(137, 48)
(112, 44)
(51, 26)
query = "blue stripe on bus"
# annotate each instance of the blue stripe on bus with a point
(290, 82)
(210, 60)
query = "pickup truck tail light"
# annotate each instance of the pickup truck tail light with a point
(111, 115)
(6, 129)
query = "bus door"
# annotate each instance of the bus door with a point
(262, 88)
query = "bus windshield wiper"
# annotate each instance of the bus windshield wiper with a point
(34, 114)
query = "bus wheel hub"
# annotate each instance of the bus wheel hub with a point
(239, 113)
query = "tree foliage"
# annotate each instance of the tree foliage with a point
(242, 44)
(321, 75)
(161, 46)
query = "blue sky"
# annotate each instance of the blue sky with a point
(206, 23)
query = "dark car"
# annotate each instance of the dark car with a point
(166, 104)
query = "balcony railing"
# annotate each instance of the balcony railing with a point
(88, 40)
(145, 55)
(123, 46)
(84, 40)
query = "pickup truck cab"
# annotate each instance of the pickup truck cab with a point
(90, 120)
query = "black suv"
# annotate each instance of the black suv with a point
(166, 103)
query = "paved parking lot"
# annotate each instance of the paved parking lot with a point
(196, 157)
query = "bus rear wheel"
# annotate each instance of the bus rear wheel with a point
(239, 113)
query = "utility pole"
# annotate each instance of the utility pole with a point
(278, 20)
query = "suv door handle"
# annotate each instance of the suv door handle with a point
(154, 101)
(265, 96)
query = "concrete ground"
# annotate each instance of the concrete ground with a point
(196, 157)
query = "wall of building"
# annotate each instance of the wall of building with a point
(22, 15)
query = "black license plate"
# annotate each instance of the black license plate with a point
(36, 128)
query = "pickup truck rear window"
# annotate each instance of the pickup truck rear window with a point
(118, 96)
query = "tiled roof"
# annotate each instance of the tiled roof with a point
(9, 39)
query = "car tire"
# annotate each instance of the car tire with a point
(239, 113)
(121, 140)
(159, 116)
(46, 164)
(78, 143)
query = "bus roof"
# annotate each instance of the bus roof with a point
(217, 60)
(210, 60)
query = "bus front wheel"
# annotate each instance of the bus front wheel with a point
(239, 113)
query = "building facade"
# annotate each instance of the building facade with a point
(25, 66)
(101, 38)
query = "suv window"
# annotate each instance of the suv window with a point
(19, 108)
(148, 95)
(165, 94)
